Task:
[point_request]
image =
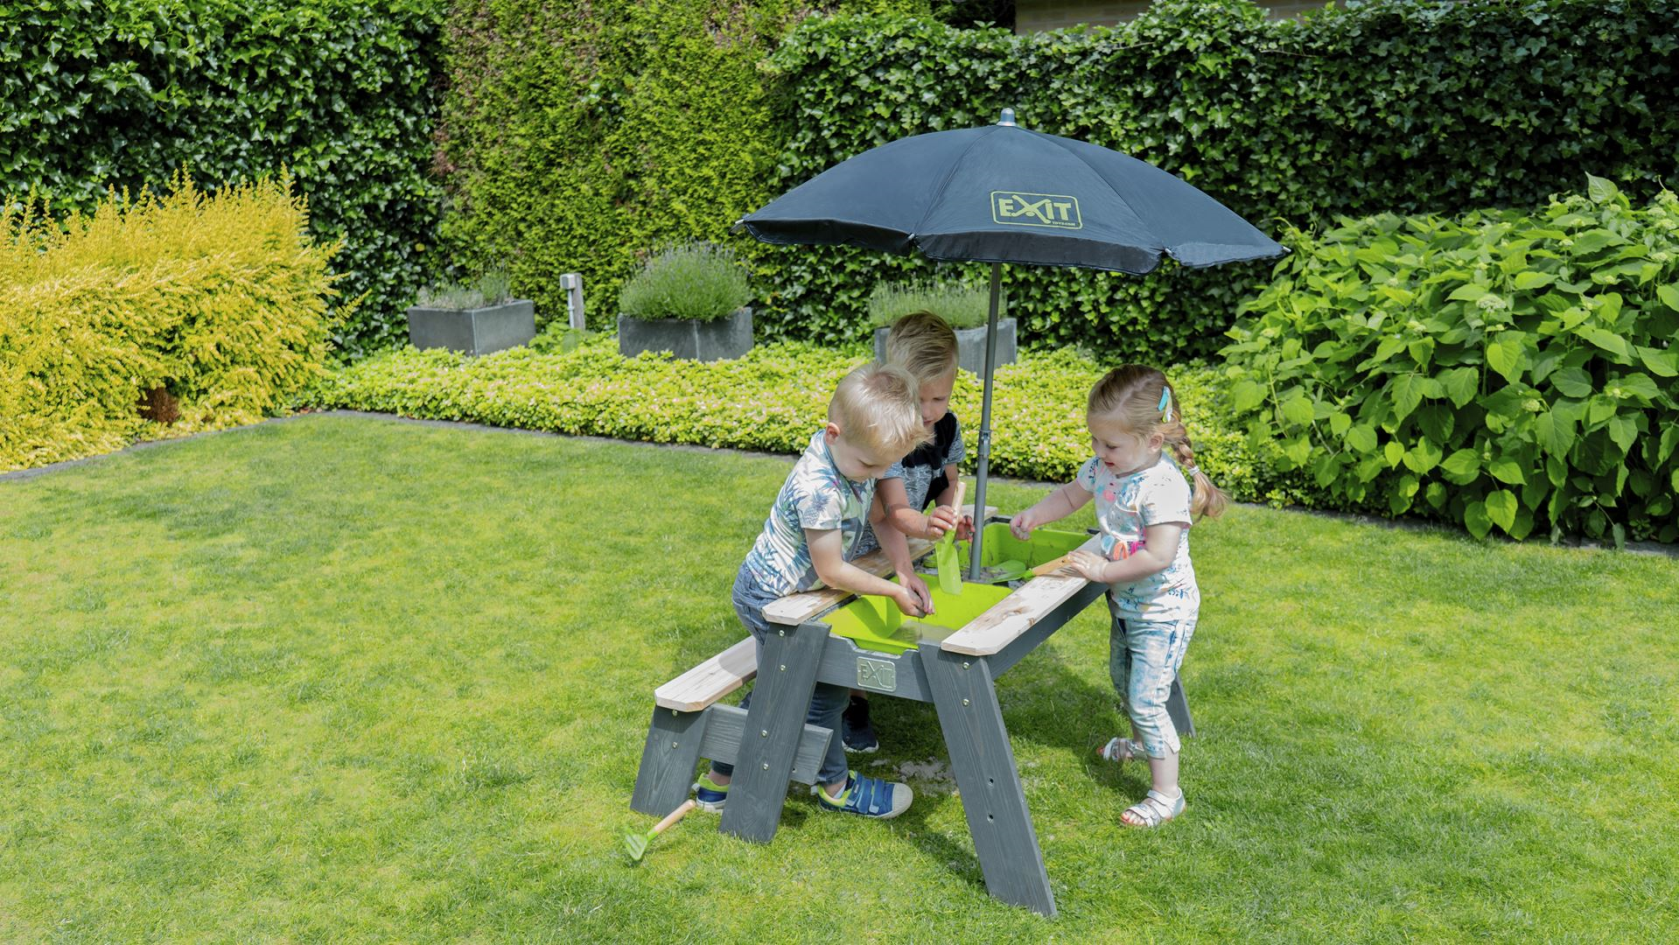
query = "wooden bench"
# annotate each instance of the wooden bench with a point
(711, 680)
(689, 724)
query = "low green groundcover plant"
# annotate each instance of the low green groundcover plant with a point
(772, 399)
(963, 306)
(701, 282)
(1495, 370)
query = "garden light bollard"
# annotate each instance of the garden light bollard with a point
(572, 283)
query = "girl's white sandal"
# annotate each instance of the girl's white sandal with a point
(1123, 749)
(1154, 810)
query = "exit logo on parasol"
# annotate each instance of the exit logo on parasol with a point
(1013, 208)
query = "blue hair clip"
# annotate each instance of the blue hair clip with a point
(1166, 405)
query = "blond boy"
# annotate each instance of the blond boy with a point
(813, 531)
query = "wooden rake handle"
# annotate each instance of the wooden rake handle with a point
(672, 817)
(1050, 567)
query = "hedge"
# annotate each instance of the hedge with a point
(771, 400)
(123, 93)
(580, 137)
(1401, 107)
(219, 301)
(1495, 370)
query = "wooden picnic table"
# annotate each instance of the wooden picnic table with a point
(770, 744)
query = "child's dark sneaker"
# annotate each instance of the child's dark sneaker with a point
(870, 797)
(856, 732)
(708, 795)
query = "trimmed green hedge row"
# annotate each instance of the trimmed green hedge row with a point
(1382, 107)
(124, 93)
(772, 400)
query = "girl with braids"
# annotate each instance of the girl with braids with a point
(1148, 491)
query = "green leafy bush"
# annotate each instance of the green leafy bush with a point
(1414, 107)
(121, 93)
(491, 288)
(699, 282)
(963, 306)
(1495, 370)
(771, 399)
(219, 301)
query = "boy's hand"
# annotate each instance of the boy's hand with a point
(1088, 566)
(916, 586)
(1023, 524)
(905, 599)
(965, 529)
(942, 519)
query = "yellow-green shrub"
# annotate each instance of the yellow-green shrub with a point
(222, 300)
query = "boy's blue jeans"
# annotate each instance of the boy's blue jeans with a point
(827, 703)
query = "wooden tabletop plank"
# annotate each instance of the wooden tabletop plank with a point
(795, 609)
(995, 629)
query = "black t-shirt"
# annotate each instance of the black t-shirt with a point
(922, 471)
(935, 454)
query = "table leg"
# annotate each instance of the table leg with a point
(1178, 708)
(780, 702)
(965, 696)
(667, 760)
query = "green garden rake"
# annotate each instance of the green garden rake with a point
(635, 844)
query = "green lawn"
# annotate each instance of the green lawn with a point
(348, 679)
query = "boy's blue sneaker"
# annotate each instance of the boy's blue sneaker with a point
(856, 733)
(870, 797)
(708, 795)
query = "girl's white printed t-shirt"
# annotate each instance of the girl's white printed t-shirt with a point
(1125, 507)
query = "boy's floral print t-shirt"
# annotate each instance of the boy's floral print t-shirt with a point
(815, 495)
(1125, 506)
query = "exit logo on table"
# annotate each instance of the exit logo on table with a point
(1013, 208)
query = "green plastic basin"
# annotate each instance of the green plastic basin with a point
(1000, 545)
(876, 623)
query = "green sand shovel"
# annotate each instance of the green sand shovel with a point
(945, 558)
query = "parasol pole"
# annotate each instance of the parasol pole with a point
(984, 463)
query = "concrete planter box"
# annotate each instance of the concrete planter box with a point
(970, 346)
(473, 331)
(720, 340)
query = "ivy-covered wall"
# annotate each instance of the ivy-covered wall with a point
(1394, 106)
(123, 93)
(577, 137)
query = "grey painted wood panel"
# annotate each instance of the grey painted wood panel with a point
(667, 761)
(780, 702)
(725, 726)
(965, 696)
